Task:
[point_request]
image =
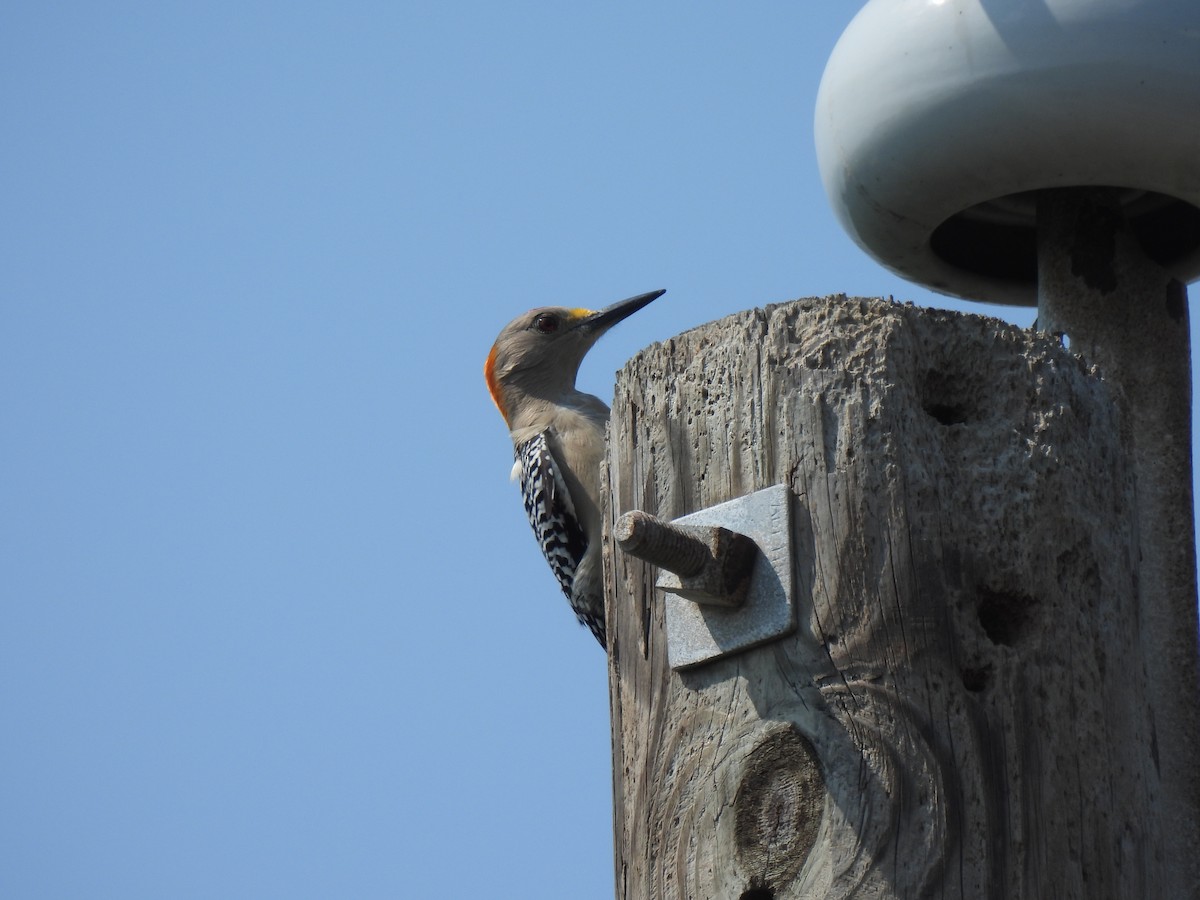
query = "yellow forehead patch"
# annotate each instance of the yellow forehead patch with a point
(579, 312)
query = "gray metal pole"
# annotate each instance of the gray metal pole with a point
(1123, 313)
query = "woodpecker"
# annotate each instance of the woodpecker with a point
(558, 439)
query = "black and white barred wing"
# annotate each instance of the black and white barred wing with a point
(550, 510)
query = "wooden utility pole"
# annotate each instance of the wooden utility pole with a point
(963, 709)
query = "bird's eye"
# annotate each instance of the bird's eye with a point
(546, 323)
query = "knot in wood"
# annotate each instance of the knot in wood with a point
(778, 808)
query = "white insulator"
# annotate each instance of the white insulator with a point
(936, 119)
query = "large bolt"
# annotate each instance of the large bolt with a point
(712, 563)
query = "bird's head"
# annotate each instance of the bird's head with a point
(538, 353)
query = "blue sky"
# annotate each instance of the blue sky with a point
(273, 623)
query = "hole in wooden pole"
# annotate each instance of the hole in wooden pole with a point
(946, 414)
(947, 396)
(1005, 617)
(975, 679)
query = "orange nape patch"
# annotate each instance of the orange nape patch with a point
(493, 383)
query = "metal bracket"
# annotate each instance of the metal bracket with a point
(699, 633)
(708, 616)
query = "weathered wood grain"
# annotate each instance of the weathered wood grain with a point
(962, 712)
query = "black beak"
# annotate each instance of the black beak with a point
(609, 316)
